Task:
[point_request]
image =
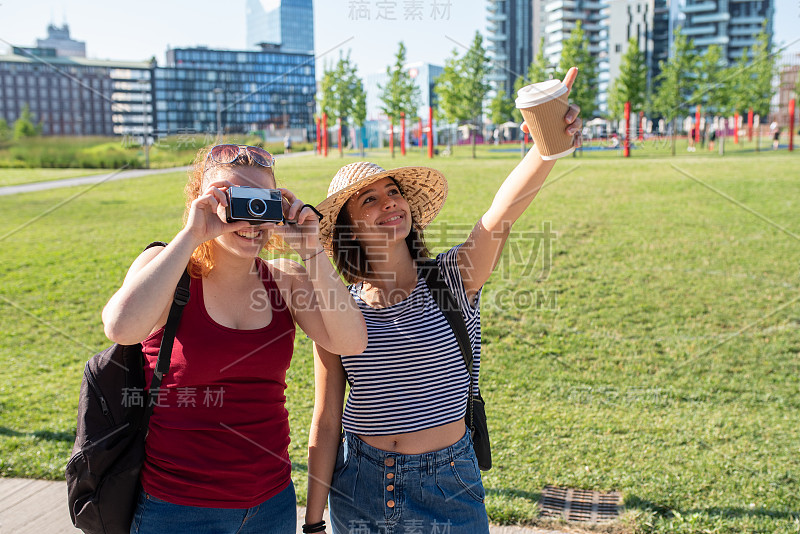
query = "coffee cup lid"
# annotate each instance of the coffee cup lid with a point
(539, 93)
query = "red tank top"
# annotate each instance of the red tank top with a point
(219, 435)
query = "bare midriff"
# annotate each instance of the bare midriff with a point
(422, 441)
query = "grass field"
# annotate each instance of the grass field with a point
(650, 346)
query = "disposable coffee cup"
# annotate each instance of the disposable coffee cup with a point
(543, 106)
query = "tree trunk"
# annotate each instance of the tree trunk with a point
(474, 138)
(673, 137)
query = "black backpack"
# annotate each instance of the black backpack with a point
(103, 472)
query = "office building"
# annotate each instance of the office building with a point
(731, 24)
(788, 65)
(59, 40)
(286, 24)
(510, 34)
(75, 95)
(253, 90)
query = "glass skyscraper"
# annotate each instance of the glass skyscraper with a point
(256, 90)
(288, 24)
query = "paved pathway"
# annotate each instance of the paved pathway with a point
(40, 507)
(111, 176)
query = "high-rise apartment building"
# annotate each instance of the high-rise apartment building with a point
(288, 24)
(562, 17)
(647, 21)
(731, 24)
(511, 43)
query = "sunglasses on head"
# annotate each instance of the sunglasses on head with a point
(227, 154)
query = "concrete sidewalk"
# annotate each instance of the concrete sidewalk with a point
(109, 177)
(40, 507)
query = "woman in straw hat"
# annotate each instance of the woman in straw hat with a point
(405, 462)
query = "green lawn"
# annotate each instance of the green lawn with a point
(28, 176)
(654, 350)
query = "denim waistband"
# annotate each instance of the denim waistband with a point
(358, 447)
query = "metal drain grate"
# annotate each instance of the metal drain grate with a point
(580, 505)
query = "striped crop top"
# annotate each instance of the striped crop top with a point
(412, 375)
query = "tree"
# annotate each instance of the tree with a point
(750, 79)
(342, 94)
(5, 131)
(762, 63)
(474, 69)
(23, 126)
(676, 80)
(449, 92)
(631, 84)
(400, 95)
(711, 89)
(575, 53)
(739, 82)
(502, 108)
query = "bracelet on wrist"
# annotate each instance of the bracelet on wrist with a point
(314, 527)
(317, 253)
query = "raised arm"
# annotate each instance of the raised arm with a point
(326, 428)
(142, 304)
(481, 251)
(320, 302)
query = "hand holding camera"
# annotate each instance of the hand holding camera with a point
(301, 231)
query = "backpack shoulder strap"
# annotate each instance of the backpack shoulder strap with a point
(448, 304)
(179, 301)
(444, 298)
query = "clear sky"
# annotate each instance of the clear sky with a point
(138, 30)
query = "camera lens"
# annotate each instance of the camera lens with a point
(256, 207)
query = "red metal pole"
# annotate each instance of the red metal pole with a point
(319, 141)
(430, 132)
(325, 134)
(402, 133)
(791, 124)
(339, 137)
(627, 149)
(750, 124)
(697, 125)
(736, 128)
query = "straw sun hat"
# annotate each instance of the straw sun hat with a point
(424, 189)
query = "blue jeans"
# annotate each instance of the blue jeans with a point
(380, 492)
(277, 515)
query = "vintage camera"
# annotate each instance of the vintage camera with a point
(254, 205)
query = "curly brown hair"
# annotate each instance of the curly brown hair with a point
(202, 260)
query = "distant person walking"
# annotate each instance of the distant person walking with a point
(287, 144)
(776, 135)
